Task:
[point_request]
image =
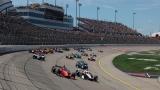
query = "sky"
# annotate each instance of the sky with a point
(147, 18)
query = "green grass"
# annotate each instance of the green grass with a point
(123, 63)
(156, 52)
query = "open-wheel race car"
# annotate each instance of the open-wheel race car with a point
(39, 56)
(82, 64)
(92, 58)
(66, 49)
(59, 50)
(101, 51)
(76, 55)
(86, 75)
(71, 56)
(62, 71)
(85, 54)
(93, 55)
(89, 49)
(48, 51)
(34, 51)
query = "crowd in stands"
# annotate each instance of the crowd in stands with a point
(114, 32)
(15, 30)
(106, 27)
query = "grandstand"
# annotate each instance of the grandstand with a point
(15, 30)
(21, 28)
(114, 32)
(6, 6)
(46, 15)
(106, 27)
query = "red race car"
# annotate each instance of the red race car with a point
(63, 72)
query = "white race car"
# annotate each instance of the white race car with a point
(86, 75)
(39, 57)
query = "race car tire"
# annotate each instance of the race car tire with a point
(96, 78)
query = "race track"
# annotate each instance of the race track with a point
(18, 71)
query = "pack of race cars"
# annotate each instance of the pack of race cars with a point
(62, 71)
(82, 66)
(39, 54)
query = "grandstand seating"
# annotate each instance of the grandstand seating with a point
(16, 31)
(106, 27)
(114, 32)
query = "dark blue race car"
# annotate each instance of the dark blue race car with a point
(82, 65)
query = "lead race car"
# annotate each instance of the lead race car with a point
(86, 75)
(62, 71)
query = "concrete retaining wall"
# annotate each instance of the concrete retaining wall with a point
(14, 48)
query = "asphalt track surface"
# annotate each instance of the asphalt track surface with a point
(18, 71)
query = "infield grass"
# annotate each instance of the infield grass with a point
(142, 62)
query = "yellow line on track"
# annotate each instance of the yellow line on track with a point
(108, 73)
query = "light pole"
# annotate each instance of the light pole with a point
(98, 8)
(55, 2)
(80, 9)
(134, 20)
(76, 10)
(79, 12)
(115, 18)
(67, 8)
(28, 7)
(27, 3)
(42, 1)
